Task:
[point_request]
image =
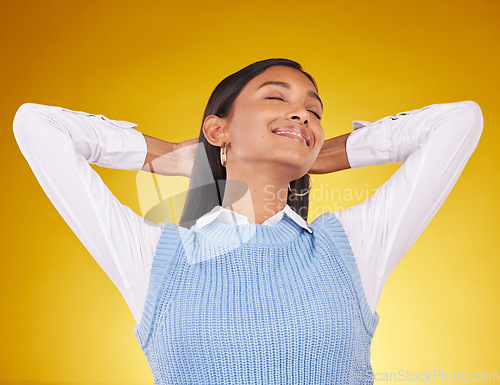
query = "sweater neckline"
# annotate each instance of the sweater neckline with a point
(221, 233)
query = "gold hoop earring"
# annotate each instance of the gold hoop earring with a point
(223, 156)
(307, 192)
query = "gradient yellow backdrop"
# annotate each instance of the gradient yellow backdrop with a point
(155, 64)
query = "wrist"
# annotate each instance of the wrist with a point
(161, 156)
(332, 156)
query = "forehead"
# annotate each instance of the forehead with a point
(290, 75)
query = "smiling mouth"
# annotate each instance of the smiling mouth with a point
(292, 134)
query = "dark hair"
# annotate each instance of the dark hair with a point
(203, 194)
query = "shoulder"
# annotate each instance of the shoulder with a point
(327, 222)
(172, 233)
(328, 226)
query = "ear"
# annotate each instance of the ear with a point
(214, 130)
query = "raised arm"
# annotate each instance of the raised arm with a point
(434, 142)
(332, 157)
(59, 144)
(167, 158)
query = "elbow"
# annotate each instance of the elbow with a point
(470, 118)
(25, 120)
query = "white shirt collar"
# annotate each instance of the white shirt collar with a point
(231, 217)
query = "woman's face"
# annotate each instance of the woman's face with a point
(272, 119)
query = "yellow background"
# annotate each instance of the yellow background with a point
(155, 64)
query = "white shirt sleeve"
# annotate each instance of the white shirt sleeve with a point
(434, 142)
(59, 144)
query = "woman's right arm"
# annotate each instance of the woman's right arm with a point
(59, 144)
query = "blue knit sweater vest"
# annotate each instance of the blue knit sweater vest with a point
(256, 304)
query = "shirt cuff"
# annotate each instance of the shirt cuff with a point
(368, 144)
(124, 147)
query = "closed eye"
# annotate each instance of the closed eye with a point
(275, 97)
(319, 117)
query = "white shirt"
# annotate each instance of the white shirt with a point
(434, 142)
(231, 217)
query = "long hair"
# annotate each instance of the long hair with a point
(208, 177)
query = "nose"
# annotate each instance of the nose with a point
(299, 118)
(300, 113)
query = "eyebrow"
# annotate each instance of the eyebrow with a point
(286, 85)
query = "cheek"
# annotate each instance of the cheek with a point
(250, 129)
(320, 135)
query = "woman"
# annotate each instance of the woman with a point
(244, 290)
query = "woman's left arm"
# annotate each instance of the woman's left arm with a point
(435, 143)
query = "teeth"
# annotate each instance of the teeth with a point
(290, 132)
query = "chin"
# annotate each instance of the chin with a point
(294, 157)
(286, 159)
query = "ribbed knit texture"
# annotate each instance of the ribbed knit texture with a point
(255, 304)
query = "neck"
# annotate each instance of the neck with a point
(258, 199)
